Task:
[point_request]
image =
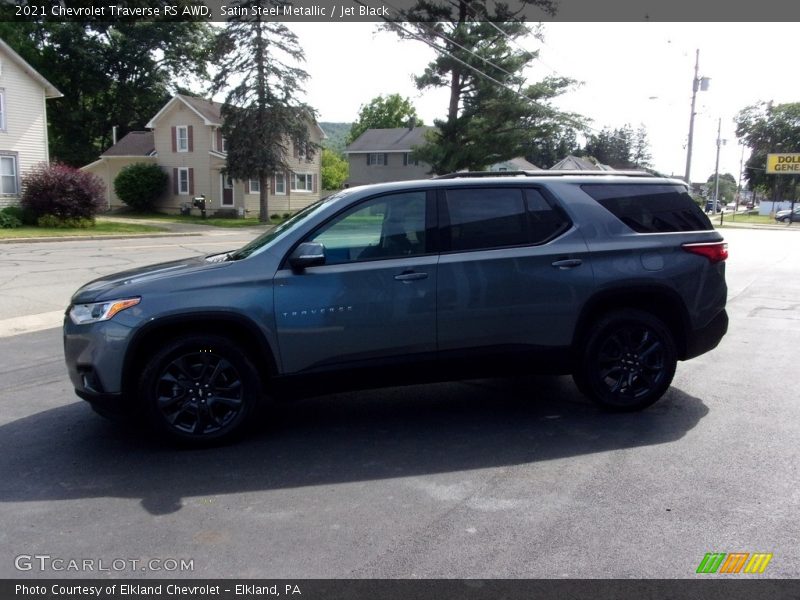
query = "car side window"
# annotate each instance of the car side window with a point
(544, 221)
(391, 226)
(483, 218)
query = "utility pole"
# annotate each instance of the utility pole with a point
(698, 83)
(716, 166)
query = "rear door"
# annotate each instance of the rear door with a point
(374, 299)
(513, 272)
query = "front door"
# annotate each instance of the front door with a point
(227, 190)
(374, 298)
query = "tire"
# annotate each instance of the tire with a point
(200, 390)
(627, 362)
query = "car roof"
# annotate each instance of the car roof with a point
(506, 178)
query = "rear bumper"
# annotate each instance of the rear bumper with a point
(707, 338)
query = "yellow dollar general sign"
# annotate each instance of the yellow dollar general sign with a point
(783, 164)
(735, 562)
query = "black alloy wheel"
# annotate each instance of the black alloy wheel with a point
(628, 362)
(200, 390)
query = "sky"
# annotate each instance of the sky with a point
(630, 73)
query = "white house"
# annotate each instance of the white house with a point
(23, 121)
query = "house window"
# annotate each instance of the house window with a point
(280, 184)
(408, 161)
(223, 144)
(183, 181)
(255, 186)
(377, 159)
(303, 182)
(2, 110)
(182, 138)
(8, 176)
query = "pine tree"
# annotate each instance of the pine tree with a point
(263, 119)
(493, 113)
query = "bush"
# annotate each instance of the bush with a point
(67, 223)
(25, 215)
(10, 217)
(61, 191)
(139, 185)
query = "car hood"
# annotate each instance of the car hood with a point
(128, 282)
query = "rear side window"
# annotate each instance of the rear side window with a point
(484, 218)
(651, 208)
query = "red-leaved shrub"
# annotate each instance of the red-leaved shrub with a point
(62, 191)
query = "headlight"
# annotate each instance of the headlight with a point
(100, 311)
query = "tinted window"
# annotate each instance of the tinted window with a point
(482, 218)
(651, 208)
(544, 222)
(387, 227)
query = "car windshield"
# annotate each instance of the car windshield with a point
(265, 238)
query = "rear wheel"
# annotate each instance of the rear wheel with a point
(627, 362)
(200, 390)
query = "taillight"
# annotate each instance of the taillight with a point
(714, 251)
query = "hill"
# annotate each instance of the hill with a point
(337, 133)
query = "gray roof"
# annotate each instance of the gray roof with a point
(574, 163)
(399, 139)
(519, 163)
(209, 109)
(136, 143)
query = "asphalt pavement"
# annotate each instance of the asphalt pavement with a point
(508, 478)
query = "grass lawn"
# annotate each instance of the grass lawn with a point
(744, 218)
(196, 219)
(100, 228)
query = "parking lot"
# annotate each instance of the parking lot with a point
(500, 478)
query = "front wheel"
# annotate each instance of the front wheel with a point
(627, 362)
(200, 390)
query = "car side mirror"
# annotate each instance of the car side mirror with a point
(307, 254)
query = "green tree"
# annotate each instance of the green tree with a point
(768, 128)
(640, 152)
(384, 113)
(493, 113)
(611, 147)
(620, 148)
(335, 169)
(263, 119)
(111, 74)
(140, 185)
(547, 150)
(727, 187)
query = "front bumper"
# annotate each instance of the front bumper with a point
(94, 356)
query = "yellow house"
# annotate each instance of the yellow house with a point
(185, 139)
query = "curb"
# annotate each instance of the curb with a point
(79, 238)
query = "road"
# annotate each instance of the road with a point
(491, 478)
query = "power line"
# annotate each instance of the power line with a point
(511, 39)
(553, 112)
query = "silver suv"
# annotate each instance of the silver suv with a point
(612, 277)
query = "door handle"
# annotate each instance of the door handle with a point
(411, 276)
(568, 263)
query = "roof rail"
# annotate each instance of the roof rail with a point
(542, 173)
